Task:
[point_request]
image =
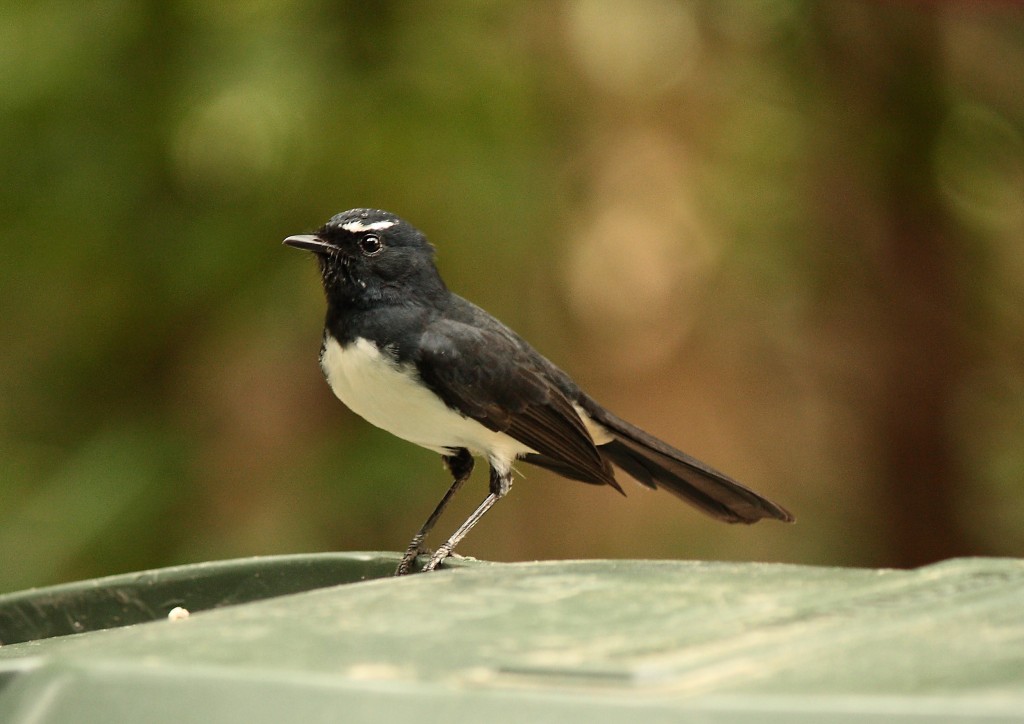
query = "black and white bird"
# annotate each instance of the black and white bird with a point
(411, 357)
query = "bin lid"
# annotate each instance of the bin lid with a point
(546, 641)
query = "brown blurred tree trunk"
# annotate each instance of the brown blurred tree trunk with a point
(883, 65)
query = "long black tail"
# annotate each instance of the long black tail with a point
(659, 465)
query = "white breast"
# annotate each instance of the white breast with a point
(391, 397)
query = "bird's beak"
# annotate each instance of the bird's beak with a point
(311, 243)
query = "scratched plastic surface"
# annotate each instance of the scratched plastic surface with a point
(557, 641)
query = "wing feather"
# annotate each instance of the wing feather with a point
(491, 376)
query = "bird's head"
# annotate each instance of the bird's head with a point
(368, 256)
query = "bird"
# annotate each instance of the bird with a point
(412, 357)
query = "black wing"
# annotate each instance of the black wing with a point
(484, 371)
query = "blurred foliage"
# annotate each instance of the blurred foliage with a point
(785, 236)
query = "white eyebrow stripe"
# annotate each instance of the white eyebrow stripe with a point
(355, 226)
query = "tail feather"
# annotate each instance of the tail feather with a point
(658, 465)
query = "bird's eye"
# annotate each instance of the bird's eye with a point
(371, 245)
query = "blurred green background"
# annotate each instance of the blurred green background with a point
(787, 237)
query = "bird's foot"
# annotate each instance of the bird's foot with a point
(414, 550)
(437, 558)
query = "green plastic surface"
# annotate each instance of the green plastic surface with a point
(150, 595)
(557, 641)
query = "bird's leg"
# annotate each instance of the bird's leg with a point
(501, 482)
(460, 465)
